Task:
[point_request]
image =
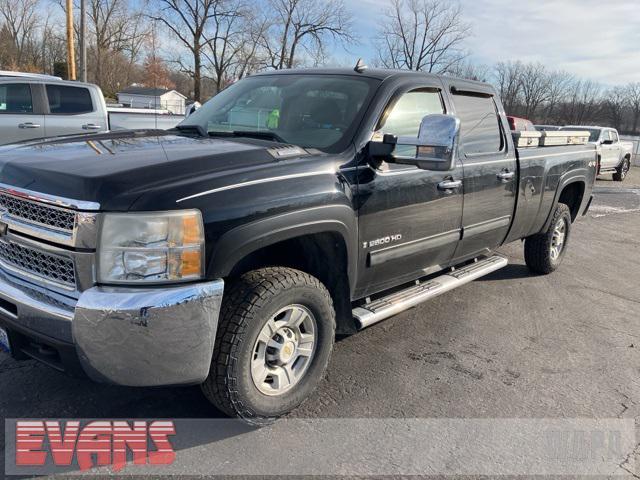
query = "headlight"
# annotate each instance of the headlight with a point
(151, 247)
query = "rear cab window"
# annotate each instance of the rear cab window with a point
(68, 100)
(481, 130)
(15, 98)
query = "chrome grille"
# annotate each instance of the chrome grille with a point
(44, 266)
(38, 213)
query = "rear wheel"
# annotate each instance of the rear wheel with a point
(274, 340)
(544, 252)
(622, 171)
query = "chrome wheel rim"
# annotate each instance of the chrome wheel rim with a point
(558, 239)
(283, 350)
(625, 168)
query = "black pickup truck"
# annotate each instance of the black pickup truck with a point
(293, 206)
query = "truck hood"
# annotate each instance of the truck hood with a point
(117, 170)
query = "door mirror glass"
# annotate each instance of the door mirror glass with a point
(435, 145)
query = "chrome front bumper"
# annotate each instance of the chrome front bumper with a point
(125, 336)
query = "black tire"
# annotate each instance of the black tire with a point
(247, 305)
(622, 170)
(538, 248)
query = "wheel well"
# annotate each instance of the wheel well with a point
(572, 196)
(323, 255)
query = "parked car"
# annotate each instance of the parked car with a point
(229, 254)
(39, 106)
(546, 128)
(517, 124)
(614, 155)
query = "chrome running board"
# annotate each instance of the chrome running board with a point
(385, 307)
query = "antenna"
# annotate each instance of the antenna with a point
(360, 66)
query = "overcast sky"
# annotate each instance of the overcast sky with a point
(596, 39)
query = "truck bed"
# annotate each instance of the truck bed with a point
(541, 170)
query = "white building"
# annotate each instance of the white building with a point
(158, 98)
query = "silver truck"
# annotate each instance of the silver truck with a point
(614, 155)
(39, 106)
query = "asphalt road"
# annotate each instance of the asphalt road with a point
(510, 345)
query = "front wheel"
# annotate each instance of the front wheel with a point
(274, 340)
(622, 171)
(544, 251)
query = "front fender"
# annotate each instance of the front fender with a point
(239, 242)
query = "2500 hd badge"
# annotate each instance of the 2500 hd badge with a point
(382, 241)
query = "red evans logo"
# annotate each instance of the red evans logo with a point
(97, 443)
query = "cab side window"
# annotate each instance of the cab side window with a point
(66, 100)
(614, 136)
(480, 130)
(15, 98)
(405, 116)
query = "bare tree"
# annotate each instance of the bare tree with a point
(225, 40)
(422, 35)
(305, 25)
(21, 21)
(137, 37)
(583, 104)
(251, 58)
(508, 81)
(615, 104)
(469, 70)
(633, 96)
(117, 33)
(188, 20)
(535, 88)
(156, 72)
(52, 46)
(559, 84)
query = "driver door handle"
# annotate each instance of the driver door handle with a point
(449, 184)
(91, 126)
(28, 125)
(506, 175)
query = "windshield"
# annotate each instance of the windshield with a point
(594, 133)
(312, 111)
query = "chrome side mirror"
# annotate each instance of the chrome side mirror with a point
(436, 144)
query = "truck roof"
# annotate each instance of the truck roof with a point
(36, 78)
(6, 73)
(377, 73)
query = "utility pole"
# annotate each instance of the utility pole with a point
(83, 40)
(71, 54)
